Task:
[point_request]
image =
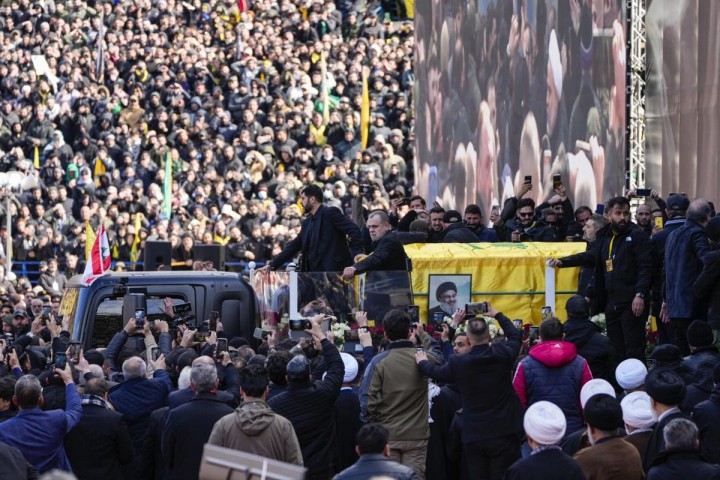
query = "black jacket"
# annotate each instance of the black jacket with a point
(706, 416)
(99, 444)
(673, 464)
(388, 255)
(13, 464)
(657, 442)
(309, 408)
(658, 248)
(685, 250)
(490, 406)
(373, 465)
(546, 465)
(586, 261)
(347, 422)
(187, 429)
(707, 286)
(631, 269)
(593, 346)
(323, 243)
(152, 464)
(181, 397)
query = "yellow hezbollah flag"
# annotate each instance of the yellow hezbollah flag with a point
(89, 240)
(136, 241)
(365, 109)
(510, 275)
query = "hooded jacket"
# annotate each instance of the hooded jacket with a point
(593, 346)
(255, 428)
(553, 371)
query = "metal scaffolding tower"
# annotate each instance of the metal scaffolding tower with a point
(635, 164)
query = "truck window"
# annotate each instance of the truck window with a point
(108, 319)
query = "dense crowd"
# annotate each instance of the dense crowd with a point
(235, 100)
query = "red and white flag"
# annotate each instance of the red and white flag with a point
(98, 262)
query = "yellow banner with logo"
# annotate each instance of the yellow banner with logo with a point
(509, 275)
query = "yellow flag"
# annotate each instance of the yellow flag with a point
(136, 240)
(89, 240)
(99, 169)
(36, 157)
(365, 109)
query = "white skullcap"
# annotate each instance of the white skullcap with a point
(555, 63)
(545, 423)
(351, 367)
(594, 387)
(637, 410)
(631, 373)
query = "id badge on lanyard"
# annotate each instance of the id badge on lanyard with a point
(609, 261)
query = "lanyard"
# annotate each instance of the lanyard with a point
(610, 255)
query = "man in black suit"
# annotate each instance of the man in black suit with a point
(492, 415)
(181, 397)
(188, 427)
(323, 239)
(100, 443)
(388, 253)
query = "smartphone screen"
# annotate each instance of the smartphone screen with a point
(600, 209)
(643, 192)
(214, 316)
(659, 222)
(414, 313)
(528, 178)
(139, 316)
(260, 334)
(60, 360)
(222, 345)
(155, 353)
(75, 352)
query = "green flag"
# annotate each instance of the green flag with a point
(167, 186)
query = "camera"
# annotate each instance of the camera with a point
(300, 325)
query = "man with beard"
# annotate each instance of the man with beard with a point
(322, 239)
(387, 254)
(446, 294)
(621, 281)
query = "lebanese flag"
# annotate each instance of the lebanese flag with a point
(98, 262)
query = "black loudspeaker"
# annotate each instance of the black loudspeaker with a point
(157, 254)
(210, 253)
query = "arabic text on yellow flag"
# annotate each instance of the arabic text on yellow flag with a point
(89, 239)
(510, 275)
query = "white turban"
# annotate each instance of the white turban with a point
(545, 423)
(555, 63)
(351, 367)
(637, 410)
(594, 387)
(631, 373)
